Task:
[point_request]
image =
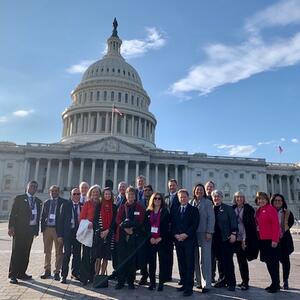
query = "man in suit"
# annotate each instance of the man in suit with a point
(83, 187)
(140, 183)
(50, 216)
(68, 223)
(120, 199)
(185, 221)
(23, 226)
(172, 202)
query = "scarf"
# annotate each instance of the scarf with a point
(155, 222)
(106, 213)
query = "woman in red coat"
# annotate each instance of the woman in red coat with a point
(268, 234)
(87, 269)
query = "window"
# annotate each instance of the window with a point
(91, 96)
(126, 98)
(242, 176)
(107, 70)
(119, 97)
(10, 165)
(137, 101)
(113, 70)
(198, 174)
(211, 174)
(98, 95)
(226, 175)
(112, 96)
(105, 95)
(119, 70)
(298, 180)
(253, 176)
(132, 99)
(227, 195)
(84, 98)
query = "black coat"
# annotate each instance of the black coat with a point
(188, 224)
(164, 224)
(20, 215)
(286, 242)
(175, 203)
(251, 233)
(45, 212)
(63, 228)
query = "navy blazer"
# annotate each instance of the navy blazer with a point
(188, 224)
(63, 227)
(45, 212)
(175, 203)
(20, 215)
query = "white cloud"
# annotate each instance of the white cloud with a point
(80, 67)
(282, 139)
(22, 113)
(232, 63)
(3, 119)
(265, 143)
(237, 150)
(295, 140)
(155, 39)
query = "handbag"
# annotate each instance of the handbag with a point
(100, 281)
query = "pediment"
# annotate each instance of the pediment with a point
(109, 145)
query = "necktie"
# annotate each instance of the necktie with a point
(76, 215)
(31, 202)
(182, 211)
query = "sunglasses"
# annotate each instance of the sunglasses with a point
(76, 194)
(157, 198)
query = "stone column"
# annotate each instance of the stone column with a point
(132, 125)
(70, 173)
(104, 173)
(126, 171)
(156, 177)
(184, 176)
(89, 123)
(137, 169)
(93, 171)
(26, 170)
(48, 176)
(289, 188)
(176, 172)
(145, 125)
(98, 122)
(59, 172)
(272, 184)
(280, 184)
(166, 178)
(81, 170)
(75, 129)
(106, 122)
(124, 123)
(147, 172)
(36, 172)
(115, 175)
(140, 127)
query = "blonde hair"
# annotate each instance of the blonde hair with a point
(236, 194)
(89, 193)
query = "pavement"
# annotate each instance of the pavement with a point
(51, 289)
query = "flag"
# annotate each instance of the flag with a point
(115, 110)
(280, 149)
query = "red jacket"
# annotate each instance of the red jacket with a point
(88, 211)
(268, 223)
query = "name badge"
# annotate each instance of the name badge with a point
(136, 213)
(154, 229)
(52, 216)
(34, 211)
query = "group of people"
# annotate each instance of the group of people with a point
(138, 226)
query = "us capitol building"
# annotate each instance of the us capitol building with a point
(102, 147)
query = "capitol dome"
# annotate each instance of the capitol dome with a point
(110, 101)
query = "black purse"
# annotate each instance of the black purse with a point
(100, 281)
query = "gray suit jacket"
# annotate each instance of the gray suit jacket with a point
(206, 214)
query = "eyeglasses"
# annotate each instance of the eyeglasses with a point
(76, 194)
(157, 198)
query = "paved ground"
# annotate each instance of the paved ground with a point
(50, 289)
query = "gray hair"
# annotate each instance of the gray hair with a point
(217, 192)
(236, 194)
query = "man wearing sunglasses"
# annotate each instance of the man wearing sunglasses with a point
(67, 227)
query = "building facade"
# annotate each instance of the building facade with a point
(109, 136)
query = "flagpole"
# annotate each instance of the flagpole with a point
(112, 120)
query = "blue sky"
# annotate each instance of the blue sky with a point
(223, 76)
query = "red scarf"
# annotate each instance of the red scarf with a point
(106, 213)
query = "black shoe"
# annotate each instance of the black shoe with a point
(273, 289)
(143, 280)
(187, 293)
(13, 280)
(160, 287)
(169, 279)
(119, 286)
(75, 276)
(63, 280)
(205, 290)
(231, 288)
(180, 282)
(131, 286)
(285, 285)
(24, 277)
(46, 275)
(199, 286)
(220, 284)
(56, 277)
(213, 280)
(180, 289)
(244, 287)
(113, 275)
(151, 287)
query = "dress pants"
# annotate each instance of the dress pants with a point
(186, 262)
(87, 266)
(21, 246)
(126, 260)
(284, 258)
(71, 246)
(169, 257)
(203, 261)
(153, 251)
(50, 237)
(215, 262)
(242, 261)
